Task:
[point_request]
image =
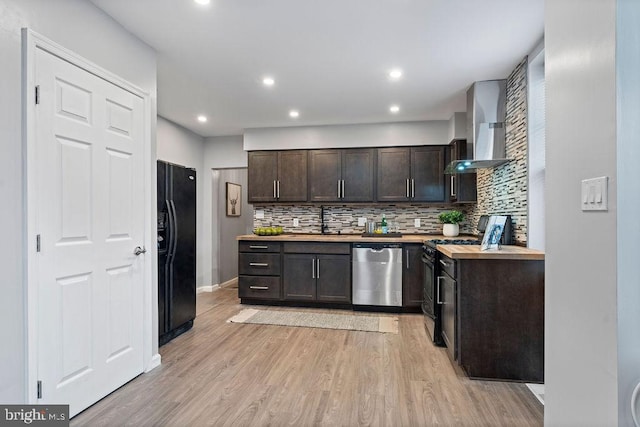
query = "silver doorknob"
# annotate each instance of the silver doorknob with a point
(139, 250)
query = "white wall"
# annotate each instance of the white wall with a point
(365, 135)
(628, 234)
(224, 152)
(182, 147)
(581, 384)
(79, 26)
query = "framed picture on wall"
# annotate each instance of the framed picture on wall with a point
(234, 199)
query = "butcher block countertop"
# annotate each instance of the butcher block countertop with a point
(342, 238)
(505, 252)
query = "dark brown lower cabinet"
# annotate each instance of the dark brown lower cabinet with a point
(500, 318)
(412, 276)
(312, 273)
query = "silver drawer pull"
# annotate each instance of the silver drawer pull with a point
(259, 264)
(258, 247)
(259, 288)
(444, 263)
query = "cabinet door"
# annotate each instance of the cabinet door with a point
(292, 176)
(427, 173)
(299, 277)
(412, 276)
(462, 187)
(358, 175)
(333, 278)
(394, 168)
(263, 174)
(448, 293)
(324, 175)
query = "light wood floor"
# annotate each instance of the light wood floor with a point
(228, 374)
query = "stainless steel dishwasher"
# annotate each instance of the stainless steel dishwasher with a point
(377, 274)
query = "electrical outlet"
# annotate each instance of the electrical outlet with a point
(296, 222)
(416, 223)
(362, 221)
(259, 214)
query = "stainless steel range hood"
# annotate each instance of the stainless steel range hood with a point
(486, 111)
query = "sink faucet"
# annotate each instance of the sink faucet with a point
(324, 228)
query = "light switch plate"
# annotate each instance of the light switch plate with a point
(416, 223)
(362, 221)
(259, 214)
(595, 194)
(296, 222)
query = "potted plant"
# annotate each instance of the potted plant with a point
(450, 220)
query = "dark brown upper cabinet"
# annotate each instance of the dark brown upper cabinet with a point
(277, 176)
(462, 187)
(341, 175)
(414, 174)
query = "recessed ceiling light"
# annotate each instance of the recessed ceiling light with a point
(203, 2)
(394, 108)
(202, 119)
(294, 113)
(395, 74)
(268, 81)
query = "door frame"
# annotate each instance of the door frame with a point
(31, 41)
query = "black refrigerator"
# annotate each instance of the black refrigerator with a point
(176, 250)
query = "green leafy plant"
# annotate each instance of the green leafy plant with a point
(451, 217)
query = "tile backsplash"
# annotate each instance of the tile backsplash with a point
(345, 218)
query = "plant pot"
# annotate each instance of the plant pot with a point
(451, 230)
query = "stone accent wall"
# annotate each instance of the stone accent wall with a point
(503, 190)
(345, 218)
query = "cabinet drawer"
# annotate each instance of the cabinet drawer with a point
(259, 287)
(263, 246)
(448, 265)
(259, 264)
(317, 248)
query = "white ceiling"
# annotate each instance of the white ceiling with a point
(330, 58)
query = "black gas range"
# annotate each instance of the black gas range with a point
(431, 302)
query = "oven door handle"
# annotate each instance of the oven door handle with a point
(438, 290)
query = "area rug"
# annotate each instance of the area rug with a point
(352, 322)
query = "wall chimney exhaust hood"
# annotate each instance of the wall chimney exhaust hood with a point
(486, 111)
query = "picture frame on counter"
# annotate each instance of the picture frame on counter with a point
(493, 232)
(234, 199)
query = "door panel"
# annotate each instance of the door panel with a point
(394, 166)
(90, 199)
(298, 277)
(334, 278)
(263, 174)
(292, 176)
(324, 174)
(427, 169)
(357, 173)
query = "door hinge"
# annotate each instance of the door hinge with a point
(39, 389)
(38, 94)
(38, 243)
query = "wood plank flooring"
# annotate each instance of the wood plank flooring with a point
(229, 374)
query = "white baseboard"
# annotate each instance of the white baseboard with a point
(207, 288)
(156, 361)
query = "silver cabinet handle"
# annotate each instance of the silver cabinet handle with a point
(278, 189)
(317, 269)
(139, 250)
(338, 189)
(407, 253)
(260, 288)
(438, 290)
(446, 264)
(275, 196)
(259, 264)
(258, 247)
(343, 188)
(413, 188)
(313, 268)
(453, 188)
(407, 188)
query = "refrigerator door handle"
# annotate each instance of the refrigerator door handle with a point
(171, 226)
(175, 228)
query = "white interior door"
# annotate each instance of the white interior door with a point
(90, 217)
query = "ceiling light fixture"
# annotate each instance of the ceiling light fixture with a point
(394, 109)
(294, 114)
(202, 119)
(202, 2)
(395, 74)
(268, 81)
